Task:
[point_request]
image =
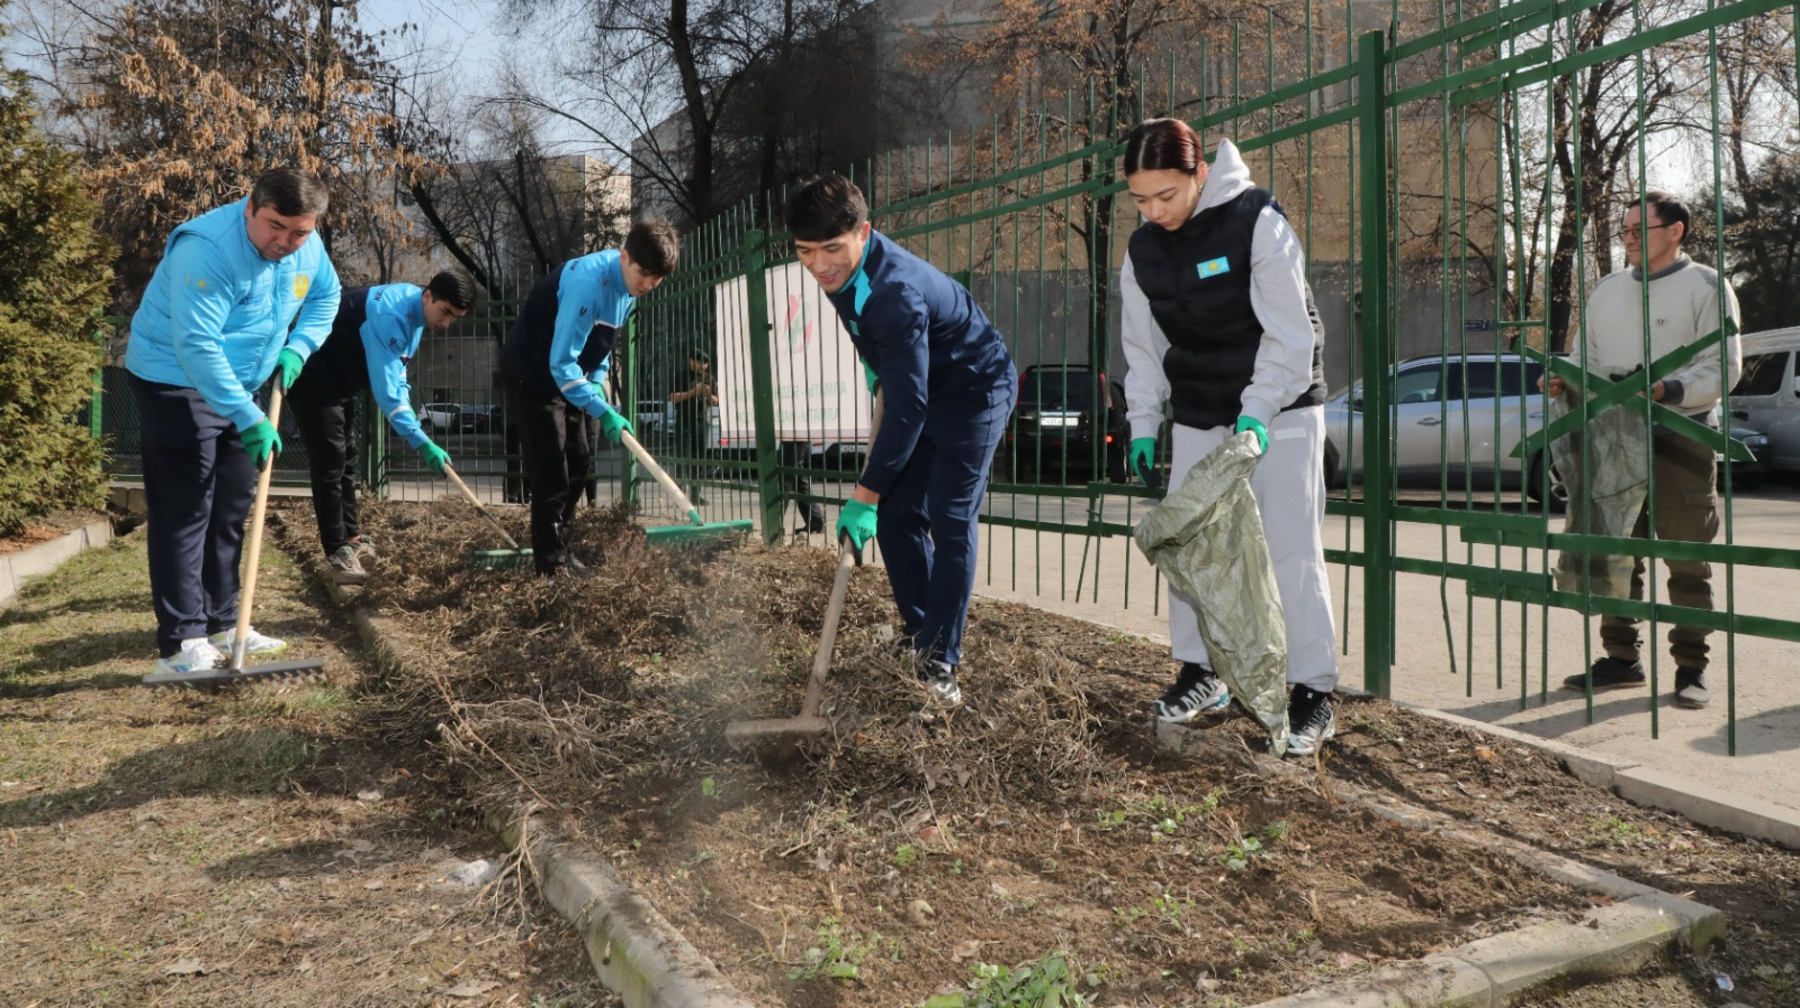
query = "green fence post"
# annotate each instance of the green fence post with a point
(626, 365)
(97, 403)
(1373, 322)
(762, 384)
(371, 432)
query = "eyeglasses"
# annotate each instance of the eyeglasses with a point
(1631, 230)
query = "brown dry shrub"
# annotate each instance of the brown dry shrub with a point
(548, 692)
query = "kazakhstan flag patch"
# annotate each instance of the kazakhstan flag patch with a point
(1214, 267)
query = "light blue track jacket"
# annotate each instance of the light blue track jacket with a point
(216, 313)
(579, 311)
(390, 337)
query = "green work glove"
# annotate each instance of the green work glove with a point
(1142, 457)
(1250, 423)
(857, 521)
(260, 440)
(873, 378)
(436, 458)
(289, 365)
(613, 423)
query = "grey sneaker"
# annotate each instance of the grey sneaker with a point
(940, 680)
(1311, 719)
(345, 568)
(1198, 690)
(1690, 688)
(1608, 673)
(365, 550)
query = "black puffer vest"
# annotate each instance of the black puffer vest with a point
(1197, 279)
(526, 354)
(340, 368)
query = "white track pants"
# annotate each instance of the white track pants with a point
(1289, 484)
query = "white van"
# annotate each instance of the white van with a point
(1767, 397)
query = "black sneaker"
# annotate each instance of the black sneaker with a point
(940, 680)
(1311, 720)
(1608, 673)
(1198, 690)
(1690, 688)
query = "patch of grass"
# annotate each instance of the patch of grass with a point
(1050, 982)
(1164, 816)
(1611, 831)
(839, 954)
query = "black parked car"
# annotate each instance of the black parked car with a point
(1062, 412)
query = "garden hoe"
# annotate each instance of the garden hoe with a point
(696, 531)
(780, 737)
(232, 671)
(514, 555)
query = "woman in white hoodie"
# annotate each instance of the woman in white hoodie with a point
(1219, 322)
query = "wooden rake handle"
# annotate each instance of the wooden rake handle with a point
(849, 558)
(485, 513)
(253, 558)
(643, 458)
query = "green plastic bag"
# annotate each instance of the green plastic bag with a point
(1207, 539)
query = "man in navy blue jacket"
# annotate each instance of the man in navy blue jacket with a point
(377, 330)
(947, 383)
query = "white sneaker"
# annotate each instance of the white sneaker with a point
(940, 682)
(254, 643)
(196, 654)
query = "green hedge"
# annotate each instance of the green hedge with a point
(55, 275)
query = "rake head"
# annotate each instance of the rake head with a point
(284, 673)
(502, 559)
(697, 534)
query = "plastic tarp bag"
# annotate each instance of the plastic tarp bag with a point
(1207, 539)
(1607, 484)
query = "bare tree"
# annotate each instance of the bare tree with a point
(182, 104)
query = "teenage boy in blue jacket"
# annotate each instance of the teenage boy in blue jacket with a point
(948, 382)
(242, 291)
(554, 366)
(376, 332)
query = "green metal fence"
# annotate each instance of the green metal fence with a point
(1443, 166)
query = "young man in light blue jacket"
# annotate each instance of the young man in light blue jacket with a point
(376, 332)
(242, 291)
(554, 364)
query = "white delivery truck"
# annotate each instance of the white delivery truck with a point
(821, 397)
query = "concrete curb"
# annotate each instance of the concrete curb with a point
(45, 557)
(1610, 940)
(1710, 806)
(635, 951)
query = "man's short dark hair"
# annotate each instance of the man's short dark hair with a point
(700, 355)
(454, 287)
(823, 208)
(1669, 209)
(292, 192)
(653, 245)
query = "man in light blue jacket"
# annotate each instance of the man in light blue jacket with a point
(554, 364)
(241, 291)
(376, 332)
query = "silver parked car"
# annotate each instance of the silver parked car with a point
(1458, 418)
(1456, 421)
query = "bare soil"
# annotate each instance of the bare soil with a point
(1039, 819)
(46, 527)
(293, 847)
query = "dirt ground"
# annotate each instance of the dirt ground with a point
(262, 847)
(295, 846)
(1037, 823)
